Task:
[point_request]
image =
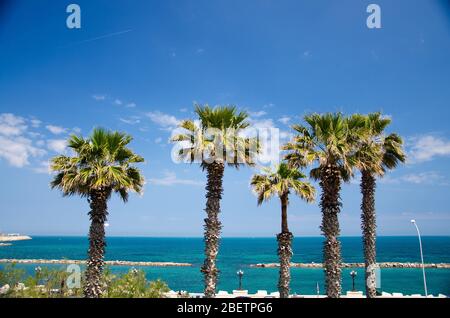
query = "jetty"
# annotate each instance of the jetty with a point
(13, 237)
(358, 265)
(82, 262)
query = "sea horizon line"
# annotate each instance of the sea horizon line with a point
(223, 237)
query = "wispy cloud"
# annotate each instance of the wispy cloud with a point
(132, 120)
(258, 114)
(57, 145)
(163, 120)
(170, 179)
(43, 167)
(422, 178)
(56, 130)
(11, 125)
(35, 123)
(15, 148)
(427, 147)
(113, 100)
(99, 97)
(284, 120)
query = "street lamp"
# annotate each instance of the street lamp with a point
(353, 275)
(240, 273)
(421, 257)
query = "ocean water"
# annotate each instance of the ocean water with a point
(240, 253)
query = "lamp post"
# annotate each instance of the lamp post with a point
(421, 257)
(240, 273)
(353, 275)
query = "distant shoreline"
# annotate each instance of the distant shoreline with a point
(13, 238)
(260, 265)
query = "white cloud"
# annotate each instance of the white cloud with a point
(427, 178)
(164, 120)
(118, 102)
(56, 130)
(170, 179)
(183, 110)
(11, 125)
(133, 120)
(35, 123)
(430, 177)
(130, 105)
(158, 140)
(426, 148)
(257, 114)
(76, 130)
(43, 167)
(18, 150)
(57, 145)
(284, 120)
(200, 51)
(98, 97)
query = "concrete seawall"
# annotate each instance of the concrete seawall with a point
(79, 262)
(357, 265)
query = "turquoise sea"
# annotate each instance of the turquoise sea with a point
(239, 253)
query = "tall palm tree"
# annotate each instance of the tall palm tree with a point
(280, 182)
(100, 165)
(216, 140)
(328, 140)
(376, 153)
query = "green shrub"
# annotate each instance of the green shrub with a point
(134, 285)
(51, 283)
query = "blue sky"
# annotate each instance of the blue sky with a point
(139, 67)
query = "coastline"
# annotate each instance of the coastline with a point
(13, 238)
(259, 265)
(357, 265)
(80, 262)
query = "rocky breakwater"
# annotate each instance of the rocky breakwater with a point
(80, 262)
(358, 265)
(12, 238)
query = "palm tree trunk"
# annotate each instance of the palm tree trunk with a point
(98, 214)
(284, 251)
(212, 226)
(369, 230)
(330, 204)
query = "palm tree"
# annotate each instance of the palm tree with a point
(280, 182)
(375, 154)
(329, 140)
(100, 165)
(217, 139)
